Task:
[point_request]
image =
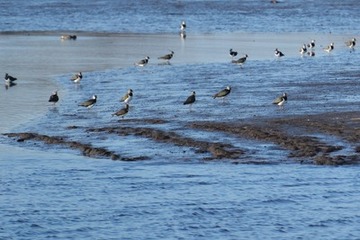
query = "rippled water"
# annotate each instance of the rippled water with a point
(165, 16)
(51, 192)
(83, 199)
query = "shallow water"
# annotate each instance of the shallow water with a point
(56, 197)
(49, 192)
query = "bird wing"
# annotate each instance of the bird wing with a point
(222, 93)
(278, 99)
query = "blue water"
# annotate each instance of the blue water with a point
(165, 16)
(55, 193)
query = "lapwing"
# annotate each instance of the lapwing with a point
(241, 60)
(278, 53)
(127, 97)
(143, 62)
(311, 45)
(223, 93)
(232, 53)
(122, 112)
(311, 53)
(167, 57)
(68, 37)
(77, 77)
(54, 98)
(329, 48)
(190, 100)
(281, 98)
(303, 49)
(183, 26)
(89, 103)
(9, 79)
(351, 43)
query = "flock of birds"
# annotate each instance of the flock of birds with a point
(280, 100)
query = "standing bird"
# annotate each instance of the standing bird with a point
(54, 98)
(278, 53)
(311, 45)
(9, 79)
(143, 62)
(122, 112)
(223, 93)
(89, 103)
(127, 97)
(241, 60)
(280, 101)
(167, 57)
(77, 77)
(329, 48)
(233, 53)
(351, 43)
(303, 49)
(190, 100)
(183, 26)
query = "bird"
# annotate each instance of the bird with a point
(122, 112)
(311, 53)
(191, 99)
(280, 101)
(89, 103)
(167, 57)
(9, 79)
(68, 37)
(143, 62)
(183, 26)
(232, 53)
(311, 45)
(278, 53)
(303, 49)
(223, 93)
(54, 98)
(77, 77)
(281, 98)
(240, 60)
(329, 48)
(127, 97)
(351, 43)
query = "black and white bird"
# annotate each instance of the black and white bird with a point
(9, 79)
(77, 77)
(127, 97)
(329, 48)
(278, 53)
(167, 57)
(311, 53)
(232, 53)
(311, 45)
(223, 93)
(303, 49)
(143, 62)
(280, 100)
(241, 60)
(89, 103)
(54, 98)
(191, 99)
(183, 26)
(351, 43)
(122, 112)
(68, 37)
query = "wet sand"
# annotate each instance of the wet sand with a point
(35, 58)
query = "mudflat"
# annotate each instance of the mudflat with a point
(35, 58)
